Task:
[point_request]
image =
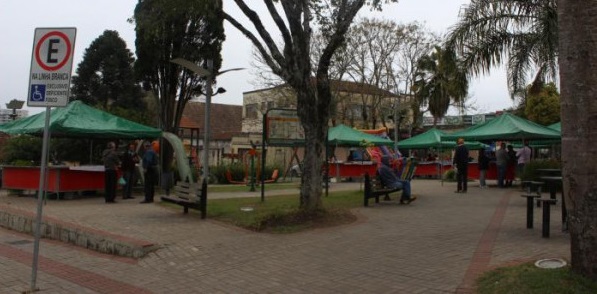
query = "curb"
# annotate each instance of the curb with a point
(105, 242)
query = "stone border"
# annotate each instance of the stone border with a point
(51, 228)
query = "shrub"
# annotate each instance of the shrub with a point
(530, 169)
(450, 175)
(238, 172)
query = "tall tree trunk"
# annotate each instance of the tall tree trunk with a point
(578, 74)
(313, 122)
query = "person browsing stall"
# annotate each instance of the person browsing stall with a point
(111, 164)
(129, 161)
(150, 170)
(501, 160)
(524, 157)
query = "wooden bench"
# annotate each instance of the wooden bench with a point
(374, 187)
(189, 195)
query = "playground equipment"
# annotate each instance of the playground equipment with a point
(252, 170)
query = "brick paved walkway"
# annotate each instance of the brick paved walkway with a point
(438, 244)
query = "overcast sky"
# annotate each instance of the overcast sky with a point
(19, 18)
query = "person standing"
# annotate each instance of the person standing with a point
(501, 160)
(129, 160)
(511, 169)
(524, 157)
(461, 162)
(111, 164)
(483, 167)
(150, 170)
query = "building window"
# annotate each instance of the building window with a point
(251, 111)
(355, 111)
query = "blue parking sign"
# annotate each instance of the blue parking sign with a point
(38, 93)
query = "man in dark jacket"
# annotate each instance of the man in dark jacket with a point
(111, 164)
(461, 163)
(391, 180)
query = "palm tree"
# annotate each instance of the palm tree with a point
(523, 31)
(440, 80)
(578, 65)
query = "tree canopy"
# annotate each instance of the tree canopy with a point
(543, 107)
(525, 32)
(440, 81)
(169, 29)
(105, 76)
(291, 61)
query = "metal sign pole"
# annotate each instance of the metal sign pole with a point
(40, 194)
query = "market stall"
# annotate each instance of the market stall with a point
(351, 169)
(433, 139)
(342, 135)
(76, 120)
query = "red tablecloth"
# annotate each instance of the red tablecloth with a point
(60, 178)
(348, 169)
(425, 169)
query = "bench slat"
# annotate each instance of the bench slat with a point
(189, 195)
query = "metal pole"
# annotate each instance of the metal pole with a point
(396, 124)
(40, 193)
(264, 153)
(208, 93)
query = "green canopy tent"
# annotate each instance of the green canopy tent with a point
(505, 127)
(557, 126)
(78, 120)
(342, 135)
(545, 143)
(433, 138)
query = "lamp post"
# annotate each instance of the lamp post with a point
(208, 74)
(14, 104)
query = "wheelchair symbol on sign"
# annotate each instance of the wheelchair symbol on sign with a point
(38, 93)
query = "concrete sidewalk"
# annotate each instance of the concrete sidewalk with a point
(438, 244)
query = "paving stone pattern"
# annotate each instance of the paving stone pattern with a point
(438, 244)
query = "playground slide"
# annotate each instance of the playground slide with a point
(182, 163)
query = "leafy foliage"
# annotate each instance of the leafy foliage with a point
(169, 29)
(22, 148)
(530, 172)
(525, 31)
(166, 30)
(440, 81)
(26, 148)
(105, 75)
(544, 107)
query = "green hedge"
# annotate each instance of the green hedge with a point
(450, 175)
(530, 169)
(237, 170)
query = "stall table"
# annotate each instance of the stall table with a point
(60, 179)
(426, 169)
(351, 169)
(430, 169)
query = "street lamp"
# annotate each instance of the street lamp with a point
(208, 74)
(14, 104)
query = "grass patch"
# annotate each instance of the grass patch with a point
(245, 188)
(527, 278)
(280, 214)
